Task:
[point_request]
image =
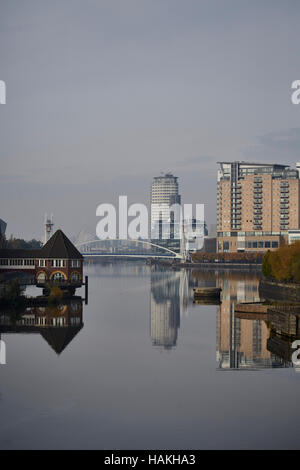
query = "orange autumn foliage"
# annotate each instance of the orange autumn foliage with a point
(283, 264)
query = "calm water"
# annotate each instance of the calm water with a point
(141, 366)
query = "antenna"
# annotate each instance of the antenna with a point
(48, 227)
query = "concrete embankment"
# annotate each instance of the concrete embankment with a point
(251, 311)
(271, 290)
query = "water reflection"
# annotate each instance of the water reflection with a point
(171, 293)
(243, 340)
(58, 324)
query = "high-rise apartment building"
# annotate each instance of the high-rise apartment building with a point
(257, 204)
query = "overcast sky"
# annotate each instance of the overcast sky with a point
(102, 95)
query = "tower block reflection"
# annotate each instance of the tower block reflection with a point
(165, 308)
(242, 343)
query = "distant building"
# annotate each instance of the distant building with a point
(195, 232)
(257, 204)
(210, 245)
(164, 193)
(293, 236)
(2, 232)
(212, 230)
(3, 226)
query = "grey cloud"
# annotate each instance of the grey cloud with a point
(281, 146)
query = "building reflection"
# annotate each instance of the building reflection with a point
(58, 324)
(243, 340)
(169, 299)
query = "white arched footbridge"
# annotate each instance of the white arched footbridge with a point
(127, 249)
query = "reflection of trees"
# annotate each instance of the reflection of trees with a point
(210, 276)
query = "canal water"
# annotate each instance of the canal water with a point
(142, 366)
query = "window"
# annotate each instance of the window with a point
(75, 263)
(41, 278)
(260, 244)
(225, 246)
(58, 277)
(267, 244)
(274, 244)
(254, 245)
(74, 277)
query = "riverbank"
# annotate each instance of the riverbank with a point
(231, 266)
(279, 290)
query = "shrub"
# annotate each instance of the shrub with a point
(55, 294)
(14, 294)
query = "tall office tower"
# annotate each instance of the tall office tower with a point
(164, 193)
(257, 205)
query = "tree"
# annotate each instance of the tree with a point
(266, 265)
(283, 264)
(14, 293)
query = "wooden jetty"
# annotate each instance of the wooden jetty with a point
(207, 293)
(251, 307)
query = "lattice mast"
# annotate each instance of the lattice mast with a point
(48, 227)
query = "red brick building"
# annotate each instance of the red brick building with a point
(58, 261)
